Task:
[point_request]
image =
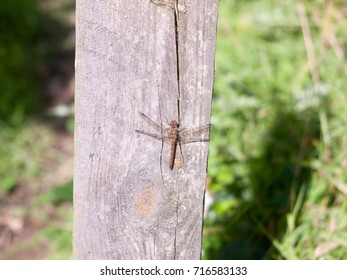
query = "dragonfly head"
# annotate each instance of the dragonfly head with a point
(174, 124)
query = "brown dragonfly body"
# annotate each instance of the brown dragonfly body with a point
(175, 135)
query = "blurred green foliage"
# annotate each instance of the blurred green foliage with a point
(20, 154)
(31, 42)
(278, 151)
(32, 51)
(59, 194)
(20, 29)
(19, 86)
(58, 235)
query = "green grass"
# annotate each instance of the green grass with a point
(20, 154)
(278, 152)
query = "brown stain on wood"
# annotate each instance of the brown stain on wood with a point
(178, 161)
(146, 202)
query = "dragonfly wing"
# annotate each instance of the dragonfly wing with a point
(157, 127)
(195, 134)
(155, 136)
(194, 140)
(197, 130)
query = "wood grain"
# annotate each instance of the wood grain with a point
(128, 204)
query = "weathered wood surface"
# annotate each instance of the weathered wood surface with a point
(128, 204)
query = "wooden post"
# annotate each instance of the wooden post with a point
(155, 57)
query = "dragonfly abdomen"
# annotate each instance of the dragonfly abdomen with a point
(172, 153)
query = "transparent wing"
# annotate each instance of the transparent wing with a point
(195, 140)
(197, 130)
(157, 127)
(195, 134)
(155, 136)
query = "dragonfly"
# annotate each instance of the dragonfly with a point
(175, 135)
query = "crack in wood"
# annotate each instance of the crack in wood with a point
(178, 7)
